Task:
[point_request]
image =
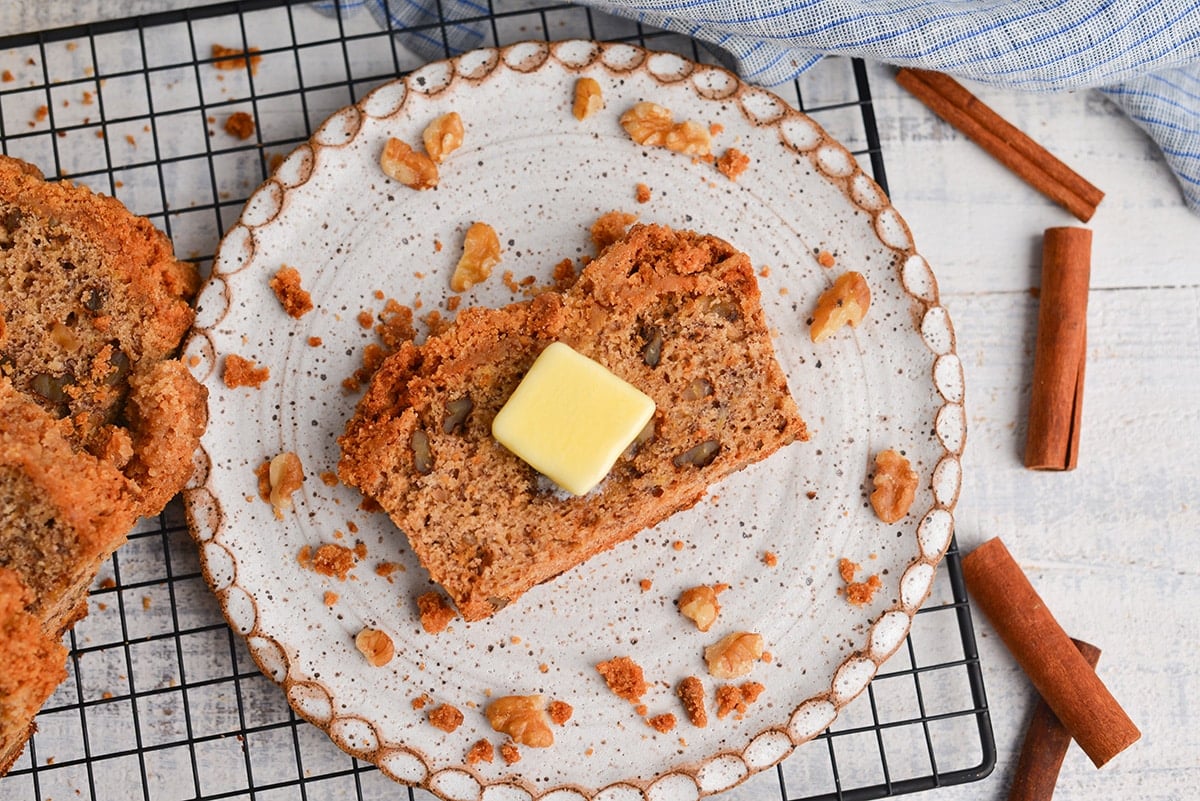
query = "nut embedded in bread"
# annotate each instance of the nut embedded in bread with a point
(675, 314)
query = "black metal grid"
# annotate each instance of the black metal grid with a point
(162, 702)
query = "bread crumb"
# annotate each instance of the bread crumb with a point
(645, 584)
(446, 717)
(229, 58)
(691, 693)
(436, 612)
(295, 299)
(826, 259)
(544, 668)
(328, 560)
(733, 163)
(510, 753)
(386, 569)
(146, 602)
(677, 545)
(564, 275)
(662, 723)
(239, 125)
(609, 228)
(365, 319)
(770, 559)
(642, 193)
(624, 677)
(7, 76)
(242, 372)
(560, 712)
(329, 478)
(421, 701)
(736, 699)
(481, 751)
(452, 302)
(107, 583)
(330, 598)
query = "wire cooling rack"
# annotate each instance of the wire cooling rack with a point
(162, 702)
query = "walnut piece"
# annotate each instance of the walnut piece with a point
(895, 486)
(401, 163)
(376, 646)
(844, 303)
(699, 604)
(734, 655)
(523, 718)
(652, 124)
(285, 474)
(443, 136)
(588, 98)
(481, 252)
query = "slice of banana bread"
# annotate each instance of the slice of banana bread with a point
(98, 424)
(676, 314)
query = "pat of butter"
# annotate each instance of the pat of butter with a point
(570, 418)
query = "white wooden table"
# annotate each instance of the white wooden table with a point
(1113, 547)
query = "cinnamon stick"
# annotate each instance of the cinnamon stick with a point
(1056, 400)
(1045, 745)
(1044, 651)
(1035, 165)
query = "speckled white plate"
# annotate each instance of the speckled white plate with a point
(540, 177)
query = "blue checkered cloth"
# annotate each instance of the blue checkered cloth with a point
(1142, 54)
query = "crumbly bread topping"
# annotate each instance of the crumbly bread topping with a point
(676, 314)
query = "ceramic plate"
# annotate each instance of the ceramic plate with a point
(540, 178)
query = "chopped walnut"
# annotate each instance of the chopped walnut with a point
(401, 163)
(481, 751)
(624, 677)
(734, 655)
(242, 372)
(690, 138)
(844, 303)
(376, 646)
(895, 486)
(691, 693)
(278, 479)
(733, 163)
(481, 252)
(588, 98)
(699, 604)
(443, 136)
(648, 124)
(523, 718)
(446, 717)
(286, 285)
(651, 124)
(436, 612)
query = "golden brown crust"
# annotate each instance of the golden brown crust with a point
(676, 314)
(32, 664)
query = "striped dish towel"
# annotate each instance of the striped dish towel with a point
(1143, 54)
